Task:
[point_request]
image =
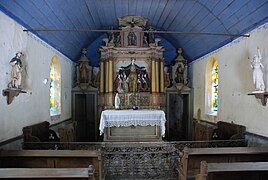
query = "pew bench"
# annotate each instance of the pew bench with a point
(52, 159)
(191, 157)
(47, 173)
(233, 171)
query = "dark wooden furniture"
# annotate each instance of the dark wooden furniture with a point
(85, 113)
(179, 114)
(68, 133)
(39, 133)
(191, 158)
(204, 131)
(233, 171)
(51, 159)
(226, 131)
(47, 173)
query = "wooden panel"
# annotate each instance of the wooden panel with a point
(137, 133)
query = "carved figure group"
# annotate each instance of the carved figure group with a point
(16, 71)
(137, 79)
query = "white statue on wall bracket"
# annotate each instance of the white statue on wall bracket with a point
(179, 71)
(257, 67)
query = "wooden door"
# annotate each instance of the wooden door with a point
(85, 115)
(178, 116)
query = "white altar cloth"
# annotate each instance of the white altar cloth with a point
(117, 118)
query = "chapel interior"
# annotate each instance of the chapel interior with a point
(134, 89)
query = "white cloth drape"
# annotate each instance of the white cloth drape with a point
(117, 118)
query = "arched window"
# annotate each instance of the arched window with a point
(55, 87)
(212, 86)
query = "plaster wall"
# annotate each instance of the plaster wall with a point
(33, 106)
(235, 82)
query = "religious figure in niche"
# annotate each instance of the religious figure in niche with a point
(124, 82)
(84, 71)
(257, 67)
(132, 78)
(16, 71)
(132, 39)
(145, 42)
(118, 84)
(179, 74)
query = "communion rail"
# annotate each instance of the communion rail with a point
(138, 160)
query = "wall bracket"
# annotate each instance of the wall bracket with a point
(262, 96)
(11, 93)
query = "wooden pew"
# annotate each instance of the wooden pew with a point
(48, 173)
(233, 171)
(51, 159)
(68, 133)
(190, 161)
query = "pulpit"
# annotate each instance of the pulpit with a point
(132, 125)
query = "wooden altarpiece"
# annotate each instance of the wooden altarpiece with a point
(131, 46)
(132, 65)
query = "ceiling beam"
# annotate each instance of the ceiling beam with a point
(147, 31)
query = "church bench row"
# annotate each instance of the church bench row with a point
(191, 157)
(47, 173)
(51, 159)
(233, 171)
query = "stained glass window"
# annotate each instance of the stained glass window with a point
(55, 87)
(214, 88)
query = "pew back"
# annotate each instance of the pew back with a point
(51, 159)
(233, 171)
(46, 173)
(191, 158)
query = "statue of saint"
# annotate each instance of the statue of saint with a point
(16, 71)
(132, 39)
(117, 101)
(179, 74)
(132, 78)
(257, 67)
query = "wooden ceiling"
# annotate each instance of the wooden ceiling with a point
(212, 16)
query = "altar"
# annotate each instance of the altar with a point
(132, 125)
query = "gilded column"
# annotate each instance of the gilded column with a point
(157, 75)
(153, 75)
(101, 76)
(110, 75)
(162, 77)
(106, 76)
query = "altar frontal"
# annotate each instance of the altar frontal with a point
(132, 125)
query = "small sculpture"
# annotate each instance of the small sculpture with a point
(117, 101)
(132, 39)
(257, 66)
(16, 71)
